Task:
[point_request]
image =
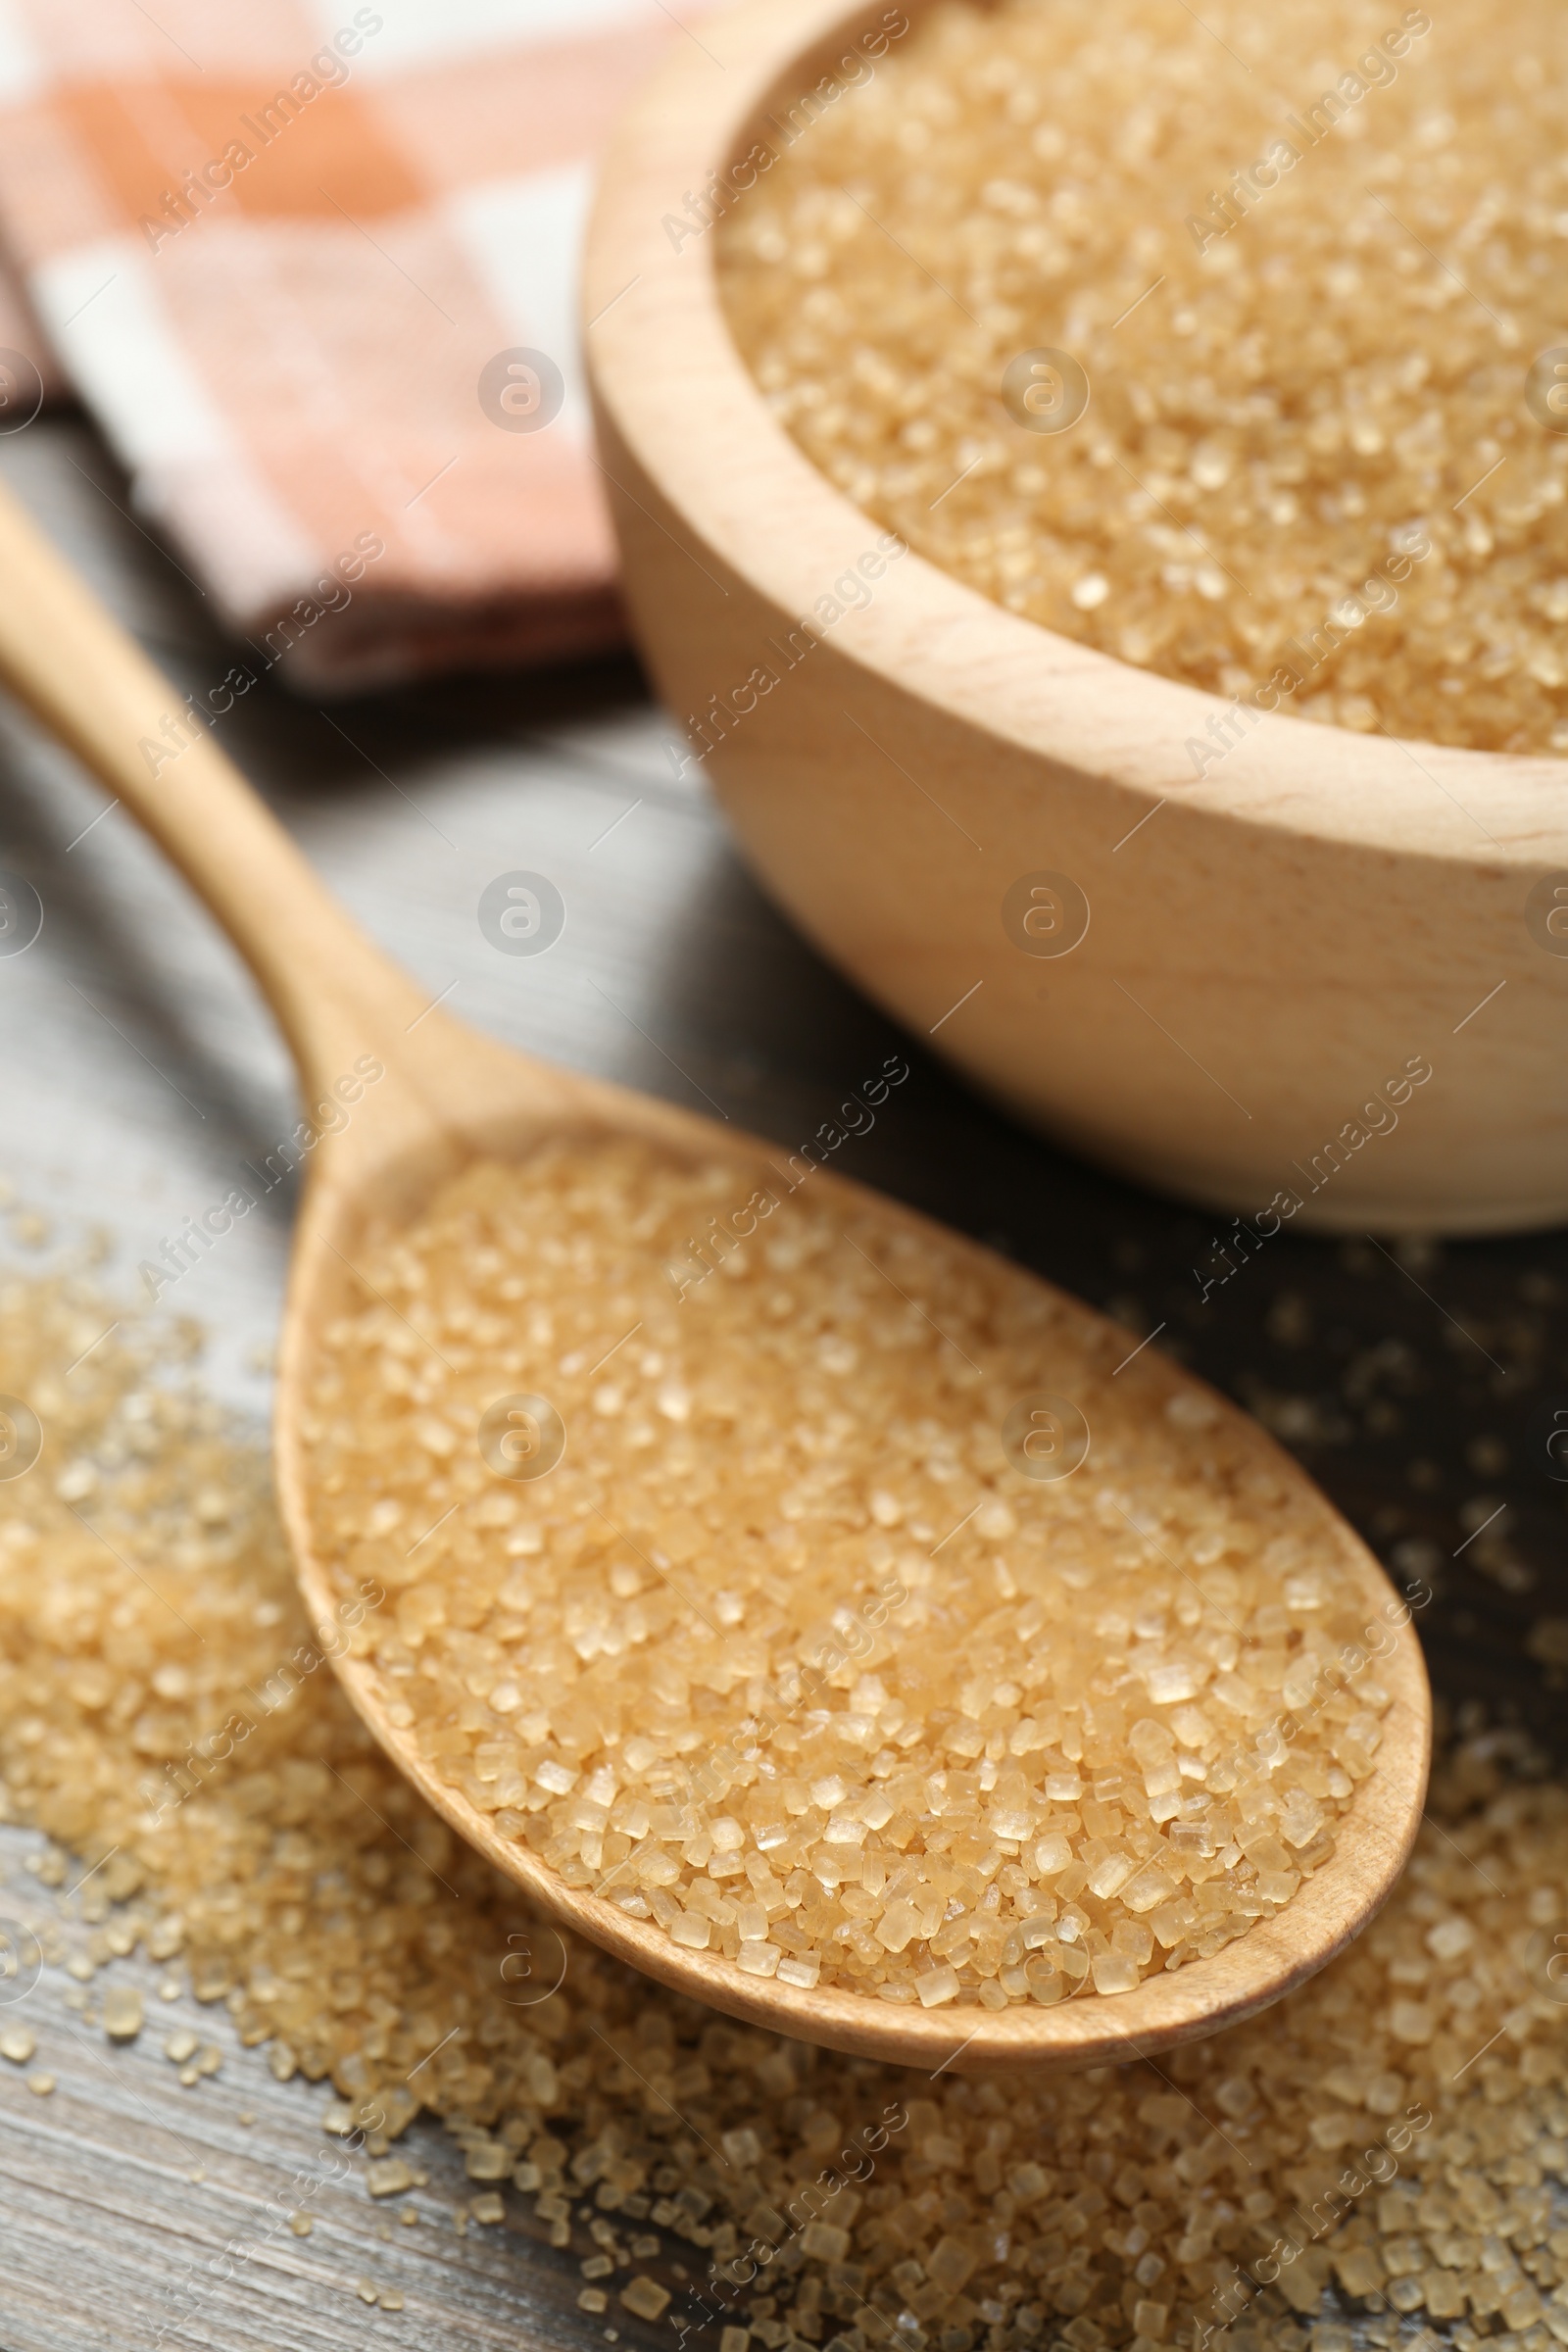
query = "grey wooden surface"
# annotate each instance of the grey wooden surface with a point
(137, 1068)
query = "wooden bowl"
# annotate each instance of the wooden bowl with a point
(1271, 960)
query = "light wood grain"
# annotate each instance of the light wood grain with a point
(448, 1096)
(1264, 953)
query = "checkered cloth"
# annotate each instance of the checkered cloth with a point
(300, 258)
(30, 372)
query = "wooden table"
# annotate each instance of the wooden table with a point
(138, 1068)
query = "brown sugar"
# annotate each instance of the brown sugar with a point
(792, 1651)
(1388, 2141)
(1306, 267)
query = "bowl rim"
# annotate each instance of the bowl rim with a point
(671, 389)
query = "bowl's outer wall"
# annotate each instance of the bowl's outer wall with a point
(1262, 983)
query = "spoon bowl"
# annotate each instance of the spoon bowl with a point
(442, 1096)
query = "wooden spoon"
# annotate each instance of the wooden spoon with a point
(448, 1097)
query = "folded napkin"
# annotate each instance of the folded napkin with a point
(313, 268)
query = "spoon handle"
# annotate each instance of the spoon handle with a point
(80, 674)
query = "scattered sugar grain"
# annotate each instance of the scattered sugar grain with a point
(122, 2013)
(18, 2043)
(645, 2298)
